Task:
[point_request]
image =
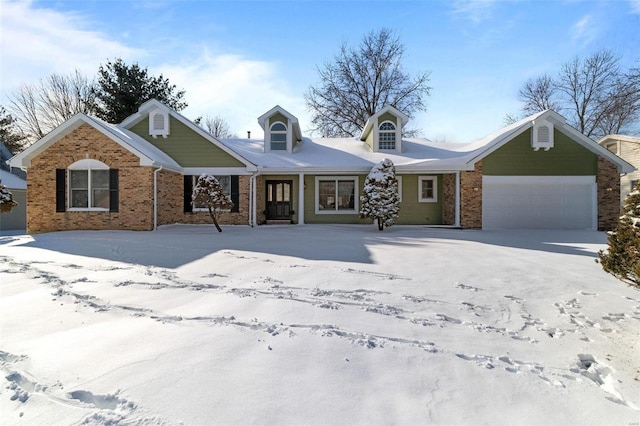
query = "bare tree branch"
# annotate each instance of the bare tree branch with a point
(362, 80)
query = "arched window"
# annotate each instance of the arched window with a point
(387, 136)
(89, 185)
(278, 136)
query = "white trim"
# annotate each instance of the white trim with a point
(87, 164)
(399, 180)
(301, 199)
(394, 132)
(89, 189)
(356, 196)
(239, 171)
(161, 131)
(433, 199)
(541, 180)
(287, 137)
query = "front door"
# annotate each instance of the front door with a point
(279, 199)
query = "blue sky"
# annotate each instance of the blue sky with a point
(238, 59)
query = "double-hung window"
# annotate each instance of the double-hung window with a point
(278, 137)
(336, 194)
(91, 186)
(427, 189)
(387, 136)
(225, 182)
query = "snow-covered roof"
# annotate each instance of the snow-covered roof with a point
(149, 155)
(12, 181)
(621, 138)
(348, 154)
(418, 154)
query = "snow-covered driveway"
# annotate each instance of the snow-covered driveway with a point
(315, 325)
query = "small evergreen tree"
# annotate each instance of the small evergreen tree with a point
(209, 193)
(6, 200)
(380, 200)
(622, 257)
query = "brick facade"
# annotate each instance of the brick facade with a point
(449, 199)
(85, 142)
(471, 198)
(608, 195)
(171, 204)
(136, 186)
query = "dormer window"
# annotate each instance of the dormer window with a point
(387, 136)
(159, 123)
(278, 133)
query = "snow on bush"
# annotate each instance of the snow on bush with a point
(622, 257)
(380, 200)
(6, 200)
(209, 193)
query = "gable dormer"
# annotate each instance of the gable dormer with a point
(542, 135)
(383, 130)
(281, 130)
(159, 123)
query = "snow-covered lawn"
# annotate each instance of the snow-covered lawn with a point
(315, 325)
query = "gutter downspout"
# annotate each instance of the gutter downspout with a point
(155, 197)
(253, 189)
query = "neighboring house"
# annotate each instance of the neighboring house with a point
(627, 148)
(536, 173)
(14, 179)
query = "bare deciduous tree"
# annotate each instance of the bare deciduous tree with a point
(217, 126)
(362, 80)
(597, 97)
(42, 107)
(538, 95)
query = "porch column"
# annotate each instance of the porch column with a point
(301, 199)
(457, 221)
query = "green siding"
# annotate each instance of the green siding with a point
(413, 212)
(369, 139)
(278, 117)
(187, 147)
(517, 158)
(387, 116)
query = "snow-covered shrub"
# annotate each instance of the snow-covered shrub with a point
(209, 193)
(6, 200)
(622, 257)
(380, 200)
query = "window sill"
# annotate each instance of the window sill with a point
(336, 212)
(92, 209)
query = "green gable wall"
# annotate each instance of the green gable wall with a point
(517, 158)
(278, 117)
(387, 116)
(187, 147)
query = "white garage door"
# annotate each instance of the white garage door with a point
(556, 202)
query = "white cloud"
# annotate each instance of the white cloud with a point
(474, 10)
(37, 42)
(580, 28)
(236, 88)
(635, 6)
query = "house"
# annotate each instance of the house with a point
(14, 180)
(538, 172)
(628, 148)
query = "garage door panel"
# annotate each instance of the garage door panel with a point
(549, 202)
